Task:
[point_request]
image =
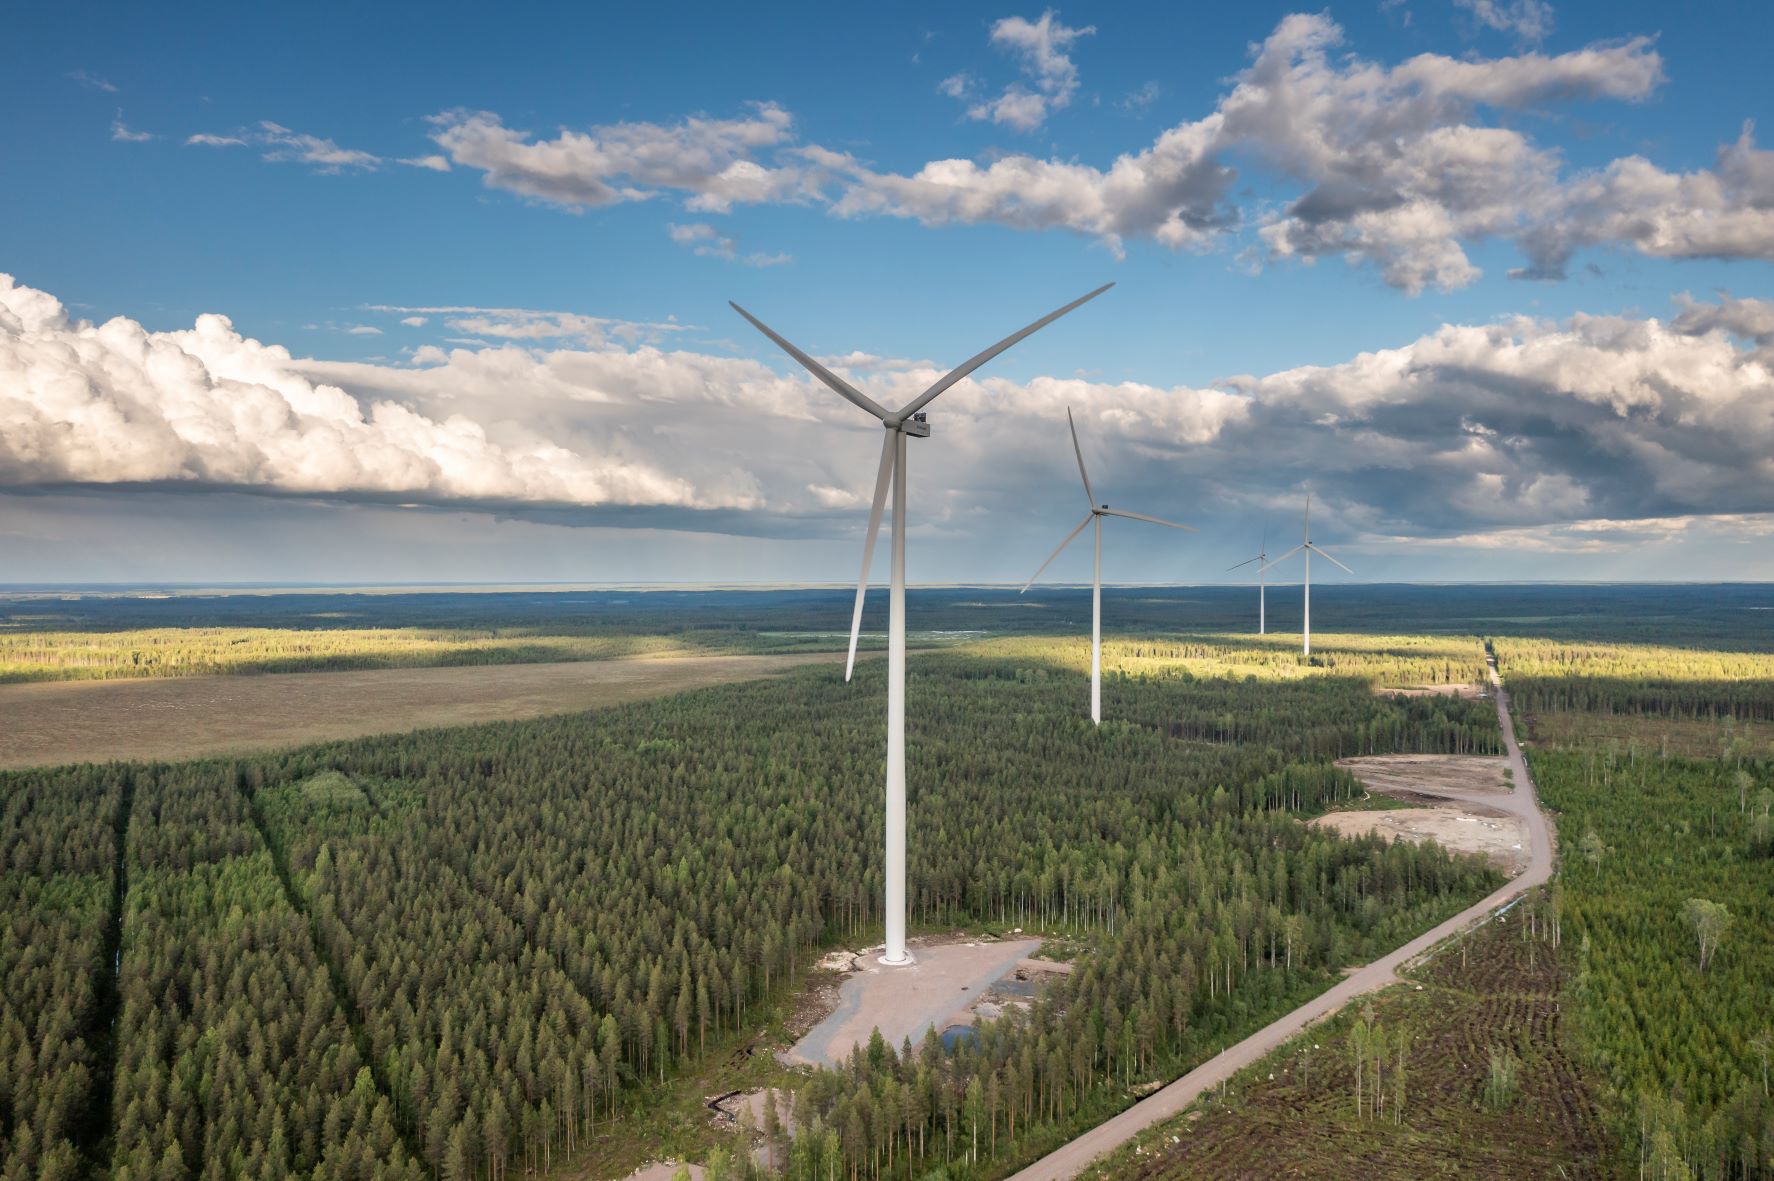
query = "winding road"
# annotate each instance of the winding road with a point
(1072, 1159)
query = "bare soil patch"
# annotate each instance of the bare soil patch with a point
(1452, 790)
(1428, 776)
(98, 721)
(1447, 690)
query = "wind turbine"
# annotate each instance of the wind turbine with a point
(1310, 549)
(906, 422)
(1096, 515)
(1262, 560)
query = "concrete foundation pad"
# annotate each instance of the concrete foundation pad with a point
(936, 991)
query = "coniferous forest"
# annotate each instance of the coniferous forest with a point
(458, 952)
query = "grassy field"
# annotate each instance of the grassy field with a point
(201, 651)
(1498, 992)
(181, 718)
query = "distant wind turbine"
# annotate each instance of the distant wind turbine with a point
(1309, 549)
(1262, 561)
(1097, 513)
(906, 422)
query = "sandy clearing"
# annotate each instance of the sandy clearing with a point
(1462, 793)
(1444, 690)
(1072, 1158)
(52, 722)
(665, 1171)
(1498, 837)
(938, 990)
(1417, 777)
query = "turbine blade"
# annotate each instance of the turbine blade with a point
(815, 368)
(868, 546)
(1284, 557)
(1056, 553)
(967, 367)
(1121, 512)
(1330, 559)
(1244, 563)
(1079, 452)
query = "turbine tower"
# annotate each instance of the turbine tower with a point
(1262, 560)
(1096, 515)
(906, 422)
(1308, 549)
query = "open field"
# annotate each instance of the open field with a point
(190, 717)
(1294, 1114)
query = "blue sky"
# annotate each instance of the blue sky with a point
(311, 223)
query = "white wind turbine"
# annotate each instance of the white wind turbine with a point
(1309, 549)
(1097, 513)
(906, 422)
(1262, 561)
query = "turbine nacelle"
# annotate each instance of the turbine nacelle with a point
(916, 427)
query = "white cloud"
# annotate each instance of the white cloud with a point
(533, 324)
(1041, 49)
(116, 404)
(1145, 96)
(1469, 429)
(1402, 167)
(89, 79)
(415, 321)
(704, 239)
(363, 330)
(206, 140)
(712, 162)
(301, 148)
(121, 132)
(433, 163)
(1530, 21)
(1398, 172)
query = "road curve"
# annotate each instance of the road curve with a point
(1071, 1159)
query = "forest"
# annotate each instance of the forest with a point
(1668, 905)
(463, 952)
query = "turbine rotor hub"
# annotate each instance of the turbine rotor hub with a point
(917, 426)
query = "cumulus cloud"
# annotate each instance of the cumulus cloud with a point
(1726, 212)
(714, 163)
(702, 238)
(1402, 167)
(1398, 170)
(1519, 425)
(1041, 49)
(116, 404)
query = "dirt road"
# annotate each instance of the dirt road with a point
(1070, 1160)
(54, 722)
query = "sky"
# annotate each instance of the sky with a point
(400, 293)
